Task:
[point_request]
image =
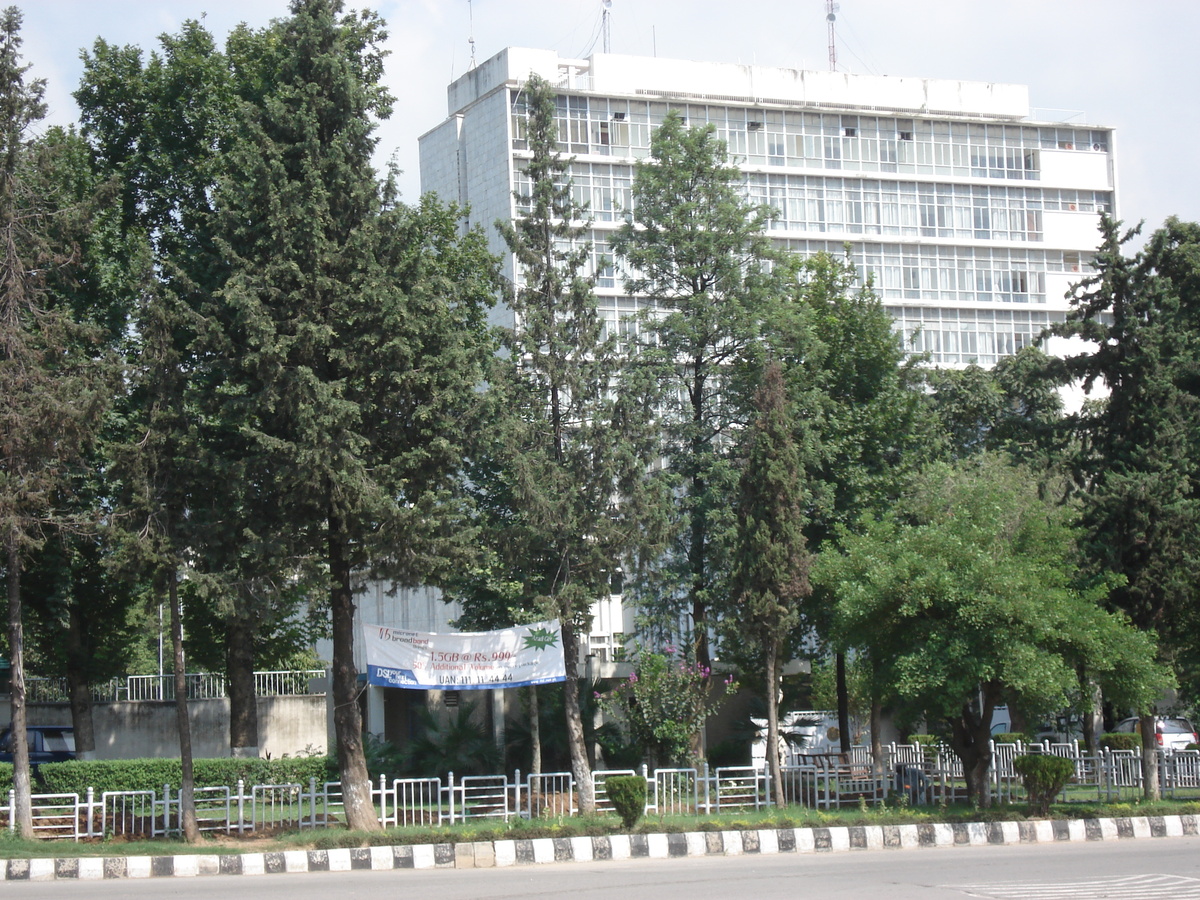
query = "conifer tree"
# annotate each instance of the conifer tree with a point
(52, 387)
(1138, 462)
(694, 246)
(571, 442)
(354, 329)
(769, 580)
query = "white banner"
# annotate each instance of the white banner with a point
(512, 657)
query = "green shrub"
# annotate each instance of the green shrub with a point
(628, 796)
(1121, 740)
(1044, 777)
(1011, 737)
(925, 740)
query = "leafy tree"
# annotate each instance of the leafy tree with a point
(1011, 407)
(694, 247)
(561, 473)
(1138, 461)
(54, 390)
(866, 430)
(971, 595)
(664, 704)
(771, 559)
(354, 339)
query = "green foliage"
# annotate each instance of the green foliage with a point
(1138, 459)
(1121, 740)
(1011, 737)
(1044, 777)
(663, 704)
(454, 742)
(700, 256)
(924, 740)
(628, 796)
(974, 592)
(76, 776)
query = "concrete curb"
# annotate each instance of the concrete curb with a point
(540, 851)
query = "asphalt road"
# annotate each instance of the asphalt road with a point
(1131, 870)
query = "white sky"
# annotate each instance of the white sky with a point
(1131, 64)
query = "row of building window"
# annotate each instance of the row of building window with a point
(948, 336)
(860, 206)
(961, 336)
(951, 275)
(774, 137)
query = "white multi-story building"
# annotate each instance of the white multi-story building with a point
(972, 216)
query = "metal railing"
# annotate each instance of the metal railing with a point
(908, 774)
(200, 686)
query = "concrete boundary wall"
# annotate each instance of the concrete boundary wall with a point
(287, 725)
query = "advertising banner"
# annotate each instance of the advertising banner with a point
(511, 657)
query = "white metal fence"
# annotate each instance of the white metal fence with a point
(907, 774)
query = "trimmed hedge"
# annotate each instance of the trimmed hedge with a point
(628, 796)
(76, 776)
(1011, 737)
(1044, 778)
(1121, 740)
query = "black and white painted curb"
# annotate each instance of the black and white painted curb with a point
(494, 854)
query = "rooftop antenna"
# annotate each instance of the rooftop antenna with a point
(831, 10)
(471, 34)
(605, 29)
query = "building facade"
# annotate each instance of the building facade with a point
(971, 216)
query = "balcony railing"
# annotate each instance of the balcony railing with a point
(200, 686)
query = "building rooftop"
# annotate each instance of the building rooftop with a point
(613, 74)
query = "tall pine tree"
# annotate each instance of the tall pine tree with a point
(354, 333)
(563, 467)
(696, 249)
(771, 559)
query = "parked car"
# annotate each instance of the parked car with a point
(47, 743)
(1171, 732)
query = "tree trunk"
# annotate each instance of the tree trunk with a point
(239, 677)
(877, 736)
(971, 740)
(535, 731)
(843, 703)
(22, 811)
(187, 787)
(576, 743)
(347, 721)
(79, 690)
(1093, 719)
(773, 769)
(1148, 726)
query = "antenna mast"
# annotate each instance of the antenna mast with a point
(831, 9)
(606, 5)
(471, 34)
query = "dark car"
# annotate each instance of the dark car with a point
(47, 743)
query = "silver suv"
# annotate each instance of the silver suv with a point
(1171, 733)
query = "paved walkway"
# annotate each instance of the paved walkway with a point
(538, 851)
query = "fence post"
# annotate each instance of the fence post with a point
(707, 793)
(91, 799)
(450, 788)
(12, 801)
(312, 793)
(166, 808)
(241, 806)
(517, 795)
(383, 799)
